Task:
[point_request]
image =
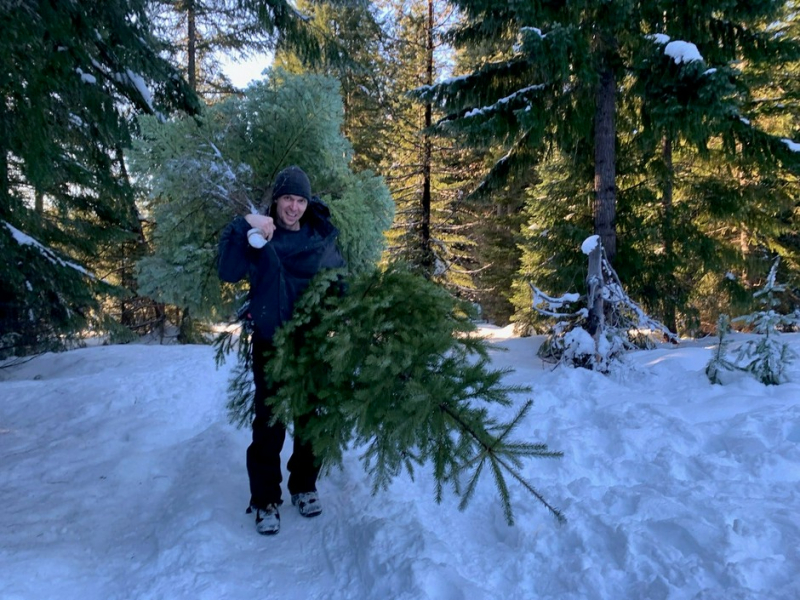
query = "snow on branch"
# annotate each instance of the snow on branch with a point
(683, 52)
(486, 110)
(614, 293)
(793, 146)
(222, 182)
(23, 239)
(130, 79)
(609, 324)
(678, 50)
(535, 30)
(659, 38)
(766, 357)
(548, 306)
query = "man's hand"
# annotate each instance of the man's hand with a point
(265, 224)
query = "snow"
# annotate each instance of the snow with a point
(23, 239)
(579, 343)
(589, 244)
(793, 146)
(449, 81)
(659, 38)
(487, 109)
(86, 77)
(138, 82)
(122, 479)
(130, 78)
(682, 52)
(535, 30)
(76, 120)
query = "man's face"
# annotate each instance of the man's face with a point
(288, 210)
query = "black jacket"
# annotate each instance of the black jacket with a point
(277, 281)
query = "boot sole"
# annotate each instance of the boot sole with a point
(268, 532)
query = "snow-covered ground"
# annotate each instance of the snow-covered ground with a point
(121, 478)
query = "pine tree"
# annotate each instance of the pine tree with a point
(567, 70)
(721, 361)
(707, 133)
(376, 68)
(767, 357)
(432, 229)
(74, 73)
(589, 88)
(203, 31)
(353, 52)
(394, 368)
(200, 174)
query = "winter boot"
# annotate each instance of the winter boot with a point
(268, 519)
(307, 503)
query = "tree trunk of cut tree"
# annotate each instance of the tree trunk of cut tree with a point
(594, 285)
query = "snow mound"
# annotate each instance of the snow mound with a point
(122, 480)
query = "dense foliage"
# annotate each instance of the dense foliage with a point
(393, 367)
(670, 129)
(764, 356)
(73, 76)
(664, 128)
(200, 173)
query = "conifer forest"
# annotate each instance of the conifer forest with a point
(477, 142)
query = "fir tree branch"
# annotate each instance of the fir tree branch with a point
(490, 451)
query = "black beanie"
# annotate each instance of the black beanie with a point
(292, 180)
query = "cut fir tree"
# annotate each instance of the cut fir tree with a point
(392, 366)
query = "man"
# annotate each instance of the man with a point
(280, 253)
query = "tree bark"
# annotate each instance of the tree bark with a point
(130, 251)
(666, 202)
(427, 258)
(668, 235)
(5, 184)
(605, 189)
(191, 45)
(594, 284)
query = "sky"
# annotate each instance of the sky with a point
(242, 73)
(122, 479)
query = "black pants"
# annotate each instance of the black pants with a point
(264, 453)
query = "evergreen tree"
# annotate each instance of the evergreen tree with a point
(721, 361)
(496, 207)
(766, 358)
(591, 88)
(432, 229)
(393, 366)
(74, 73)
(203, 31)
(561, 59)
(708, 135)
(376, 68)
(201, 173)
(353, 52)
